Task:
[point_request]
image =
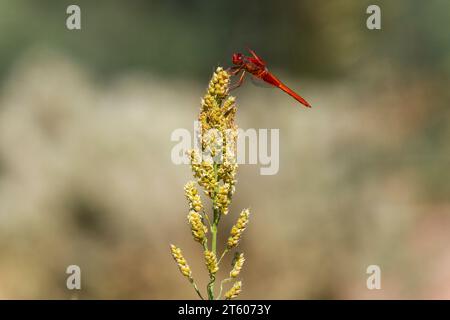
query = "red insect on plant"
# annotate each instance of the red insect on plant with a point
(257, 67)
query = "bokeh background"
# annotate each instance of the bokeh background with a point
(86, 176)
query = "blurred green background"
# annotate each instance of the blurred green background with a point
(86, 176)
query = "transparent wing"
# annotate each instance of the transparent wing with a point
(260, 82)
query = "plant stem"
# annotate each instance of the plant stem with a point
(221, 286)
(223, 255)
(196, 288)
(216, 218)
(214, 238)
(213, 249)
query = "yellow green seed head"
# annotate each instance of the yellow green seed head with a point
(204, 173)
(198, 229)
(234, 291)
(214, 166)
(237, 266)
(223, 198)
(238, 229)
(211, 262)
(191, 193)
(181, 262)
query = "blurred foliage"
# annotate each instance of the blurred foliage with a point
(188, 37)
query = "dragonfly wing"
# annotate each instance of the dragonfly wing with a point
(260, 82)
(256, 57)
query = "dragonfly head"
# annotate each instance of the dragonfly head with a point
(238, 58)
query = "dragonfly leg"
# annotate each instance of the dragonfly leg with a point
(240, 81)
(234, 70)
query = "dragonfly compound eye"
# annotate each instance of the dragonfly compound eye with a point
(237, 58)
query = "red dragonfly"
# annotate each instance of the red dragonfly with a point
(257, 67)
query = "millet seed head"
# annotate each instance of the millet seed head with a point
(238, 229)
(198, 229)
(237, 266)
(234, 291)
(211, 262)
(181, 262)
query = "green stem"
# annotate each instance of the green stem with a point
(223, 255)
(196, 288)
(215, 222)
(207, 218)
(214, 250)
(214, 238)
